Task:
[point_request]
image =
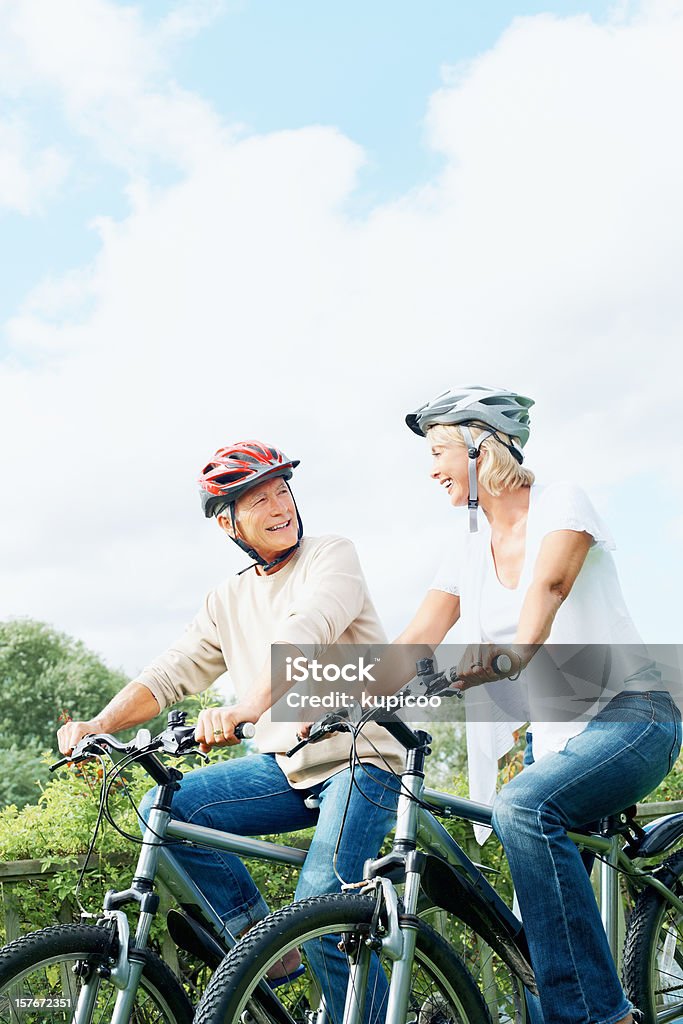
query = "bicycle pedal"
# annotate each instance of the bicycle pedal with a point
(287, 978)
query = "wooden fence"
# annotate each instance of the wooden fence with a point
(17, 873)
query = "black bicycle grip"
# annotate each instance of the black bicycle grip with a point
(245, 730)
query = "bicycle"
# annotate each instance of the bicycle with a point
(384, 943)
(96, 972)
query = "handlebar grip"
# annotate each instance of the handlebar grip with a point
(245, 731)
(502, 663)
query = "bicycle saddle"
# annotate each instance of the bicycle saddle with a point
(658, 836)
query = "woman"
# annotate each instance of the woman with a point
(537, 567)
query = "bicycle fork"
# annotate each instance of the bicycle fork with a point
(397, 939)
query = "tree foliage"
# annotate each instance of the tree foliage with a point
(43, 674)
(46, 675)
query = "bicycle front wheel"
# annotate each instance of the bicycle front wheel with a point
(331, 934)
(653, 953)
(43, 976)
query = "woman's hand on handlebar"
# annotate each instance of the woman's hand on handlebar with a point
(481, 663)
(216, 726)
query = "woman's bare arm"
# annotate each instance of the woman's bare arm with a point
(437, 613)
(559, 562)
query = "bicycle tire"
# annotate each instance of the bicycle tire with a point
(52, 964)
(442, 990)
(502, 991)
(653, 952)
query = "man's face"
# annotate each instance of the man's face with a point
(265, 518)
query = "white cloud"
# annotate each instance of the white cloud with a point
(243, 300)
(107, 73)
(188, 17)
(28, 175)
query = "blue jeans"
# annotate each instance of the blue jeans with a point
(250, 796)
(621, 756)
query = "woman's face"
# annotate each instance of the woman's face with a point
(449, 469)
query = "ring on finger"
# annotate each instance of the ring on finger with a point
(218, 732)
(475, 664)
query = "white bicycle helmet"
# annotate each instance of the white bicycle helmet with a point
(495, 408)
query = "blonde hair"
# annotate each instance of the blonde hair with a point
(498, 469)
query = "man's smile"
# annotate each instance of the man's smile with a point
(279, 526)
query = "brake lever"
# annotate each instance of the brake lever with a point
(316, 735)
(87, 750)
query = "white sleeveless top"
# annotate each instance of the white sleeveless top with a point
(594, 612)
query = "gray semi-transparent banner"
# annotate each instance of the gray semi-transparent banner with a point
(556, 683)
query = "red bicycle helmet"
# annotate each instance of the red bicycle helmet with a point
(235, 469)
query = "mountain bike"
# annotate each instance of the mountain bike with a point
(107, 971)
(371, 958)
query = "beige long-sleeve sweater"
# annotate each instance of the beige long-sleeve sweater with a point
(318, 598)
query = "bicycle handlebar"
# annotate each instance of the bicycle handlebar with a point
(176, 739)
(435, 683)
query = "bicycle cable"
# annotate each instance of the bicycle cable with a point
(91, 847)
(356, 762)
(340, 832)
(432, 808)
(138, 840)
(120, 767)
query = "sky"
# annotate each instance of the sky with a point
(298, 222)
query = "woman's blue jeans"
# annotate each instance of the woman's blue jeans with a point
(250, 796)
(620, 757)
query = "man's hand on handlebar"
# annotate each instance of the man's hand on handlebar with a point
(72, 733)
(304, 731)
(216, 726)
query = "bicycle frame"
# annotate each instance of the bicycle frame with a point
(608, 848)
(181, 885)
(462, 889)
(154, 860)
(480, 906)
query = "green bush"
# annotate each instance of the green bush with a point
(60, 825)
(672, 786)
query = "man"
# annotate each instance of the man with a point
(299, 591)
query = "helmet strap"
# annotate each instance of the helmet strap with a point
(473, 448)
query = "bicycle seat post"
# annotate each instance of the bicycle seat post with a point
(610, 900)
